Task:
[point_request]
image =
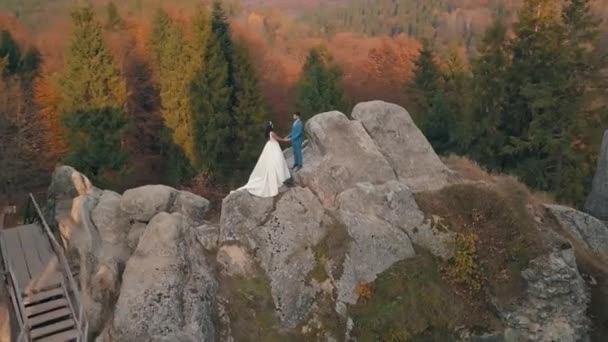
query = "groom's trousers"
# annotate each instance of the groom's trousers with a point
(297, 153)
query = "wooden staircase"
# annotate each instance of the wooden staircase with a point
(49, 316)
(42, 287)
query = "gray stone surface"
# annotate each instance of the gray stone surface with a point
(586, 228)
(242, 213)
(235, 260)
(341, 155)
(137, 230)
(556, 301)
(143, 203)
(597, 202)
(67, 183)
(168, 289)
(193, 207)
(284, 249)
(403, 145)
(376, 245)
(394, 203)
(208, 236)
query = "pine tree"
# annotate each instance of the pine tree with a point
(212, 99)
(437, 107)
(489, 96)
(548, 86)
(426, 82)
(438, 124)
(249, 110)
(10, 50)
(93, 96)
(320, 87)
(95, 140)
(456, 88)
(227, 104)
(177, 61)
(91, 79)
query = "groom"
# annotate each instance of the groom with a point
(296, 137)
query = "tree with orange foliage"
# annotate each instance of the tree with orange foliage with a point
(46, 97)
(391, 66)
(21, 144)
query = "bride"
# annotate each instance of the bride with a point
(271, 171)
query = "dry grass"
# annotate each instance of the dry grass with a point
(498, 214)
(471, 171)
(412, 302)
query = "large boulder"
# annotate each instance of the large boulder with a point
(394, 203)
(375, 245)
(113, 226)
(168, 290)
(143, 203)
(100, 230)
(284, 250)
(242, 213)
(556, 302)
(403, 145)
(586, 228)
(597, 202)
(341, 155)
(280, 239)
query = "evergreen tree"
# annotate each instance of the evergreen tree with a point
(177, 61)
(320, 87)
(93, 96)
(489, 96)
(248, 108)
(438, 124)
(456, 88)
(547, 97)
(426, 82)
(540, 109)
(114, 20)
(227, 104)
(30, 63)
(212, 100)
(95, 140)
(91, 79)
(10, 50)
(438, 107)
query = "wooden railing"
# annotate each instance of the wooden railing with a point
(14, 291)
(69, 285)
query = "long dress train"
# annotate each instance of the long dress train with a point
(270, 172)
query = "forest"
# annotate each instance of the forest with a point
(178, 92)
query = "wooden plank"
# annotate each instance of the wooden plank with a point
(44, 246)
(47, 306)
(52, 328)
(29, 236)
(69, 335)
(16, 257)
(41, 296)
(50, 316)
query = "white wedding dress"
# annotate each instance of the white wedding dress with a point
(270, 172)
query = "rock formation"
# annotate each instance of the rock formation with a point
(298, 265)
(103, 232)
(585, 228)
(597, 202)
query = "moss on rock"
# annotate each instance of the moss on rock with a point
(412, 302)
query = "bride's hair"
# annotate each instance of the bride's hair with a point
(269, 128)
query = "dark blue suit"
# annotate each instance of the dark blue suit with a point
(297, 136)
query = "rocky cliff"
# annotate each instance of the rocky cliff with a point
(377, 240)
